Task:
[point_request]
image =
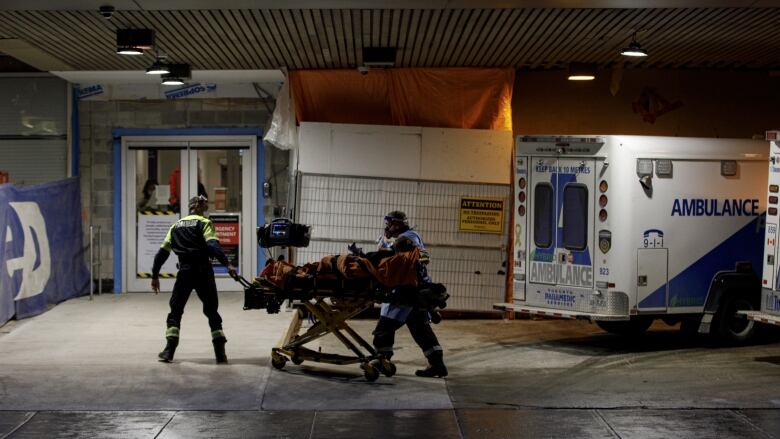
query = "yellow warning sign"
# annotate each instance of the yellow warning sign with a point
(481, 215)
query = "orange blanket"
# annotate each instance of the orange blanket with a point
(392, 271)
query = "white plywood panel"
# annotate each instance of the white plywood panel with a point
(379, 151)
(441, 154)
(479, 156)
(314, 143)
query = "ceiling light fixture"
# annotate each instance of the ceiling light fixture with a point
(172, 81)
(634, 48)
(159, 66)
(581, 71)
(379, 56)
(134, 41)
(177, 75)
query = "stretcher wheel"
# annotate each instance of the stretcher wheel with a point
(388, 367)
(296, 359)
(278, 361)
(370, 372)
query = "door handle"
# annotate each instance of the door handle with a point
(641, 281)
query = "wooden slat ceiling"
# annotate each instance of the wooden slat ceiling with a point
(530, 38)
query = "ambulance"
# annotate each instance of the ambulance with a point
(624, 230)
(769, 311)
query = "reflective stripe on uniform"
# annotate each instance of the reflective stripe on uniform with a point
(172, 331)
(209, 233)
(217, 334)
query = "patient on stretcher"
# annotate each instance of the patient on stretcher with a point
(383, 272)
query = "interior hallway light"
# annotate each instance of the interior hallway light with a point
(634, 48)
(581, 71)
(134, 41)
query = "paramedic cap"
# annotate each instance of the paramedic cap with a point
(196, 201)
(396, 216)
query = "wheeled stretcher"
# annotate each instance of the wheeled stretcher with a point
(329, 294)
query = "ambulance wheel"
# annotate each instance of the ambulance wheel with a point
(370, 372)
(626, 328)
(731, 328)
(278, 361)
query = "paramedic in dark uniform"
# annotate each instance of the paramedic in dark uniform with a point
(193, 239)
(393, 317)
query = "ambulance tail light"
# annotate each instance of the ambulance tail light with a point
(603, 200)
(773, 188)
(521, 196)
(773, 211)
(773, 199)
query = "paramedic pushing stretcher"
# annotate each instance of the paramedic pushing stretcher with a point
(193, 239)
(393, 317)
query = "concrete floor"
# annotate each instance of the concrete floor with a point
(89, 369)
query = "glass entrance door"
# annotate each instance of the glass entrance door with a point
(221, 178)
(160, 177)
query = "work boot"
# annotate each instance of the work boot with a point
(170, 348)
(436, 367)
(219, 349)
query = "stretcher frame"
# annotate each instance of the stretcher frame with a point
(331, 308)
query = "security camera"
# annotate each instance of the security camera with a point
(107, 11)
(363, 70)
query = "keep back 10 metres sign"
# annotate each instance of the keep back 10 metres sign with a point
(481, 215)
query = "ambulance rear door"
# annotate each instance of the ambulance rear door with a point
(562, 212)
(770, 275)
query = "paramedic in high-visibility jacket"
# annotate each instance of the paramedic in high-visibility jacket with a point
(193, 239)
(393, 317)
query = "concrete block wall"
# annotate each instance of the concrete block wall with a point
(98, 118)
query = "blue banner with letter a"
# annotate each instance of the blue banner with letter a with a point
(41, 247)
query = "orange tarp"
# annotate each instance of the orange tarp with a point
(430, 97)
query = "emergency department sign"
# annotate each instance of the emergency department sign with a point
(227, 227)
(481, 215)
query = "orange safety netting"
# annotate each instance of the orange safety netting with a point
(430, 97)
